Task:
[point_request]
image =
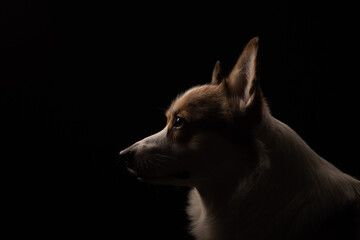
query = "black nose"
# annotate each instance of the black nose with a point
(127, 157)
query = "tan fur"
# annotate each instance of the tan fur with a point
(252, 176)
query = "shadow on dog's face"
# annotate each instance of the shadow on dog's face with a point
(199, 144)
(207, 135)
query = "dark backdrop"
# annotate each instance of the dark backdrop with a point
(82, 80)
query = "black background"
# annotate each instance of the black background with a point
(82, 80)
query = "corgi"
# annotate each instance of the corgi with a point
(251, 176)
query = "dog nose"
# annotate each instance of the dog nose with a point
(127, 157)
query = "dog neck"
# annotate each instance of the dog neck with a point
(280, 156)
(277, 152)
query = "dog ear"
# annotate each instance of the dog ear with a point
(217, 75)
(242, 77)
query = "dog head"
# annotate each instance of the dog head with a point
(208, 134)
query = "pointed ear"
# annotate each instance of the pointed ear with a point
(242, 77)
(217, 75)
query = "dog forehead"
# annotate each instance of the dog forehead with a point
(200, 98)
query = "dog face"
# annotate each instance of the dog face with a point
(208, 131)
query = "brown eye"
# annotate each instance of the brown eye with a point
(178, 122)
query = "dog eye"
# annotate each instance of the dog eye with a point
(178, 122)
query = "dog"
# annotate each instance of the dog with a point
(251, 176)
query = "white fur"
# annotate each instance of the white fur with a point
(290, 189)
(265, 184)
(253, 209)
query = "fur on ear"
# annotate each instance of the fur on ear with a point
(241, 80)
(217, 75)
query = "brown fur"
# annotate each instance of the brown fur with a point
(253, 177)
